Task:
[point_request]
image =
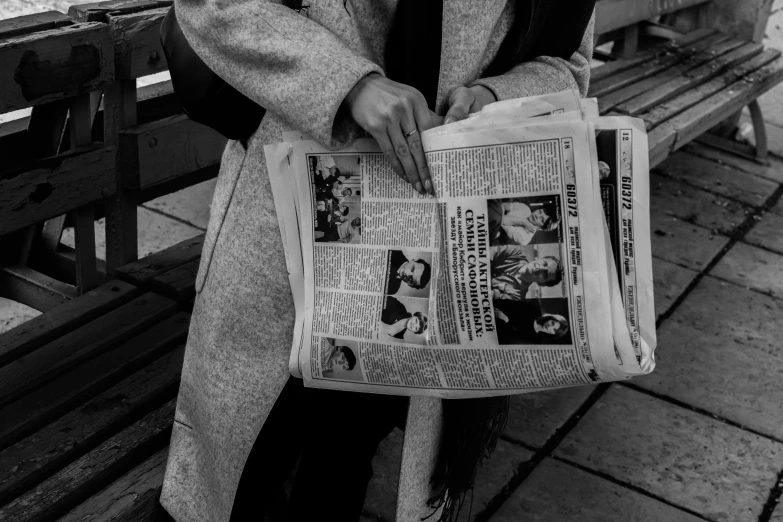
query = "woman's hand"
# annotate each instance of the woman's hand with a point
(395, 115)
(467, 100)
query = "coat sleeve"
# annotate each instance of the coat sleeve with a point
(545, 74)
(289, 64)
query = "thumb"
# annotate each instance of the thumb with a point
(460, 101)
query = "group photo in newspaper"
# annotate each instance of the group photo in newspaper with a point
(529, 269)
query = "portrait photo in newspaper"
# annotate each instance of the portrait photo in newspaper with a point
(526, 272)
(408, 273)
(524, 220)
(404, 319)
(336, 188)
(339, 359)
(533, 321)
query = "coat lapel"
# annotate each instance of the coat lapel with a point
(467, 26)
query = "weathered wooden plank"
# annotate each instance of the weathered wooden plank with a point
(676, 105)
(614, 14)
(30, 460)
(62, 319)
(34, 289)
(99, 11)
(618, 66)
(32, 411)
(178, 284)
(54, 186)
(89, 474)
(647, 69)
(143, 271)
(676, 70)
(660, 142)
(714, 109)
(691, 79)
(137, 48)
(54, 64)
(131, 498)
(42, 365)
(172, 147)
(32, 23)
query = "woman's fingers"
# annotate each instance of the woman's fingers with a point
(388, 150)
(417, 123)
(403, 152)
(460, 101)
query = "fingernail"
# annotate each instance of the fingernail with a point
(449, 119)
(418, 188)
(428, 186)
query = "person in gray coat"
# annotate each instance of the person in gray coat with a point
(322, 73)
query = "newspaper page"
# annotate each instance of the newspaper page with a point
(623, 176)
(455, 297)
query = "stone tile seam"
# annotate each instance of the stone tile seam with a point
(657, 170)
(772, 500)
(733, 166)
(699, 410)
(171, 216)
(749, 288)
(741, 230)
(762, 247)
(525, 469)
(628, 485)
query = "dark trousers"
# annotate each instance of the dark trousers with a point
(336, 433)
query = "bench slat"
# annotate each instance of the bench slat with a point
(35, 369)
(131, 498)
(714, 109)
(55, 64)
(33, 23)
(99, 11)
(623, 64)
(65, 318)
(142, 272)
(178, 284)
(30, 460)
(693, 78)
(640, 72)
(54, 186)
(34, 410)
(677, 70)
(700, 117)
(689, 98)
(171, 148)
(614, 14)
(78, 481)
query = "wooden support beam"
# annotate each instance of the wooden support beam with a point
(121, 222)
(137, 47)
(24, 285)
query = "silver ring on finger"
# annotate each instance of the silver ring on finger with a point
(411, 133)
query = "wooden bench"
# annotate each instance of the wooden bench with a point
(684, 84)
(87, 396)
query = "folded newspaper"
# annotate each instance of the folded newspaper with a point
(529, 270)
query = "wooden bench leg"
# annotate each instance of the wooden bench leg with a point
(759, 130)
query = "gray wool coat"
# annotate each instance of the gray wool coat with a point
(300, 68)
